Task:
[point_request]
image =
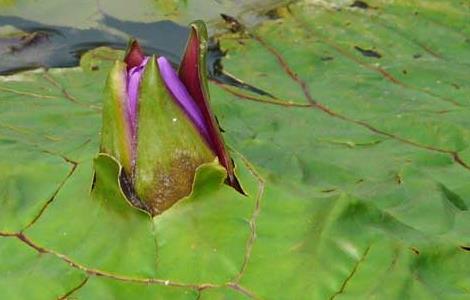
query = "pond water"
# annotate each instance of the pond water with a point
(54, 34)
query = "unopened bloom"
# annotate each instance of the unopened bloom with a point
(157, 123)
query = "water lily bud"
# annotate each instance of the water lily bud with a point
(158, 125)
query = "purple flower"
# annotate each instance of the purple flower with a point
(157, 123)
(175, 87)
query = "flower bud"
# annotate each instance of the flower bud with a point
(158, 125)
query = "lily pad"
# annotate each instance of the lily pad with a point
(356, 169)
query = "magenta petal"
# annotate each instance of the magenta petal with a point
(133, 81)
(174, 85)
(134, 55)
(182, 96)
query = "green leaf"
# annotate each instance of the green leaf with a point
(356, 173)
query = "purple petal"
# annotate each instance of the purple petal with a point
(182, 96)
(176, 88)
(133, 81)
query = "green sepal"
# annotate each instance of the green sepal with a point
(209, 177)
(193, 73)
(199, 33)
(108, 185)
(108, 182)
(115, 133)
(169, 147)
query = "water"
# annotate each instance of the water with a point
(60, 46)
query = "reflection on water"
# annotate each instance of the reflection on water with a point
(60, 46)
(40, 45)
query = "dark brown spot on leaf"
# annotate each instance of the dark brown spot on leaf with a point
(360, 4)
(398, 179)
(233, 23)
(368, 52)
(415, 250)
(466, 248)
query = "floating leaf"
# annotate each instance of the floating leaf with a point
(356, 171)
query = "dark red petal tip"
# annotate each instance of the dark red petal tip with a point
(192, 72)
(134, 55)
(232, 180)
